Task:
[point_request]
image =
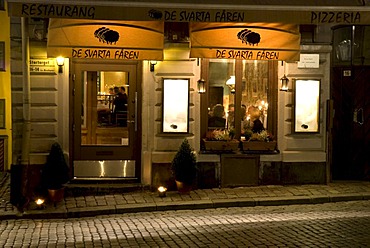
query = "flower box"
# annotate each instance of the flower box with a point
(259, 145)
(221, 145)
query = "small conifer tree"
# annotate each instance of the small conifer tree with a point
(55, 171)
(184, 163)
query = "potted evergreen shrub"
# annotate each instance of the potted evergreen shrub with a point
(184, 167)
(55, 173)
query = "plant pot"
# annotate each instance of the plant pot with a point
(259, 145)
(183, 188)
(56, 195)
(221, 145)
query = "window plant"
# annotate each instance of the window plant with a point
(221, 140)
(184, 167)
(261, 136)
(259, 141)
(219, 134)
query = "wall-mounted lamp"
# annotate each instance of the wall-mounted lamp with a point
(60, 63)
(152, 64)
(201, 86)
(284, 83)
(231, 83)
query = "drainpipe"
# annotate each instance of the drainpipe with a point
(26, 132)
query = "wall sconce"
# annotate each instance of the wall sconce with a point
(162, 191)
(201, 86)
(152, 64)
(231, 83)
(60, 63)
(284, 83)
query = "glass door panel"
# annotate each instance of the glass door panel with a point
(105, 108)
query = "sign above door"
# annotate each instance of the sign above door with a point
(92, 39)
(307, 12)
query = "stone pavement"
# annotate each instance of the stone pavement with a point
(147, 201)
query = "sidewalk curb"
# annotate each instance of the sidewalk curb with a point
(277, 201)
(182, 205)
(346, 197)
(9, 216)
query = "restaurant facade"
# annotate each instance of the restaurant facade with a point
(299, 69)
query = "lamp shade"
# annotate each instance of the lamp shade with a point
(231, 83)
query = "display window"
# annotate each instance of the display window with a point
(240, 97)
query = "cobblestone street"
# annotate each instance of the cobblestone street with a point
(342, 224)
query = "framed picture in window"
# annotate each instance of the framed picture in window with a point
(306, 106)
(175, 106)
(2, 56)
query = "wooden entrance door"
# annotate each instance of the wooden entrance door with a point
(106, 139)
(351, 125)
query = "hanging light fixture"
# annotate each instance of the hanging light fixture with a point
(284, 83)
(284, 80)
(231, 83)
(201, 86)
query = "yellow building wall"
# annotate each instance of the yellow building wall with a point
(5, 86)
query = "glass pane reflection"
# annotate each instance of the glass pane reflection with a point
(104, 108)
(254, 95)
(221, 94)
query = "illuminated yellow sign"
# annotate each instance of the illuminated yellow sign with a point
(39, 10)
(252, 41)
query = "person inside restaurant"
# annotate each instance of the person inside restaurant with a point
(217, 119)
(120, 106)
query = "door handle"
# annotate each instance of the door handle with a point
(136, 111)
(358, 116)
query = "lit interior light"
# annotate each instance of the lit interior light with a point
(231, 83)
